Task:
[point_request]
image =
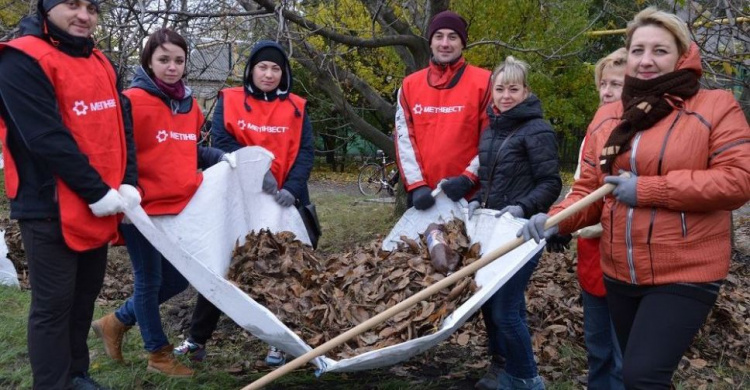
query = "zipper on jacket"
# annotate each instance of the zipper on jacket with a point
(683, 222)
(629, 220)
(666, 140)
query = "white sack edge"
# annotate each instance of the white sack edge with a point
(8, 273)
(230, 203)
(484, 228)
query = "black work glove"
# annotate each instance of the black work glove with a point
(421, 198)
(457, 187)
(558, 243)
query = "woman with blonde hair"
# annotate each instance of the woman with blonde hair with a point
(603, 353)
(609, 75)
(519, 172)
(666, 239)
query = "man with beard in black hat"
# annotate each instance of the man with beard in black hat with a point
(70, 169)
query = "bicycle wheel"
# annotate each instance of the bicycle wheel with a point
(369, 179)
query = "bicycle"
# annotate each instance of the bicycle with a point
(377, 176)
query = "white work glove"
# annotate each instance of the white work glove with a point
(110, 204)
(231, 159)
(130, 195)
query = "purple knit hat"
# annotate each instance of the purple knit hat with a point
(450, 20)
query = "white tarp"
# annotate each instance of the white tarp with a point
(8, 274)
(230, 203)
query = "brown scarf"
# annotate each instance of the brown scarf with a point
(645, 102)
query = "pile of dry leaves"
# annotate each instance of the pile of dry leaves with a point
(322, 298)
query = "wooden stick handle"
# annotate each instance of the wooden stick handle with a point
(424, 294)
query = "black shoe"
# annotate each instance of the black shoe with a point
(86, 383)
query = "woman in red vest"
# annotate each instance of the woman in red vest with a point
(166, 125)
(265, 113)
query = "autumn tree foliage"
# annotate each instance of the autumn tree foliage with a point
(350, 56)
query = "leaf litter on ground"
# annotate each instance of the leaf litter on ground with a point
(320, 298)
(552, 299)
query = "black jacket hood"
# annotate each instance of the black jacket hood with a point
(285, 86)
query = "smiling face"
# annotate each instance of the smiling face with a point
(168, 63)
(610, 85)
(446, 45)
(507, 94)
(76, 17)
(266, 75)
(652, 53)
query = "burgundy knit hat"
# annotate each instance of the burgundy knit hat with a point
(450, 20)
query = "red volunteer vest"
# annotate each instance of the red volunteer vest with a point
(272, 125)
(589, 268)
(445, 123)
(90, 109)
(166, 148)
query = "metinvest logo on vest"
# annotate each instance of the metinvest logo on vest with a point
(420, 109)
(80, 107)
(260, 129)
(162, 136)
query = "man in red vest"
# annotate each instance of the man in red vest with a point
(440, 112)
(69, 170)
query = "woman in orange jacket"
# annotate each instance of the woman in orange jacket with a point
(666, 243)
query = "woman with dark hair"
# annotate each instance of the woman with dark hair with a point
(666, 240)
(262, 112)
(166, 124)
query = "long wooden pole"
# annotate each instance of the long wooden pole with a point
(424, 294)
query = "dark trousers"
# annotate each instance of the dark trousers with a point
(64, 286)
(204, 320)
(507, 329)
(654, 326)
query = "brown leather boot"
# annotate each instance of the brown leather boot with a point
(111, 331)
(164, 362)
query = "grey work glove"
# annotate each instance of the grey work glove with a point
(457, 187)
(534, 228)
(421, 198)
(110, 204)
(284, 198)
(625, 191)
(558, 243)
(231, 159)
(515, 211)
(473, 206)
(270, 185)
(130, 195)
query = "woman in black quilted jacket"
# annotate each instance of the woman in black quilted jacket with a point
(519, 175)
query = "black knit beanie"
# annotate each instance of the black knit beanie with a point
(49, 4)
(269, 54)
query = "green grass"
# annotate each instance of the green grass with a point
(15, 371)
(350, 219)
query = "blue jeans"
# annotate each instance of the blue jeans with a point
(604, 356)
(156, 280)
(505, 318)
